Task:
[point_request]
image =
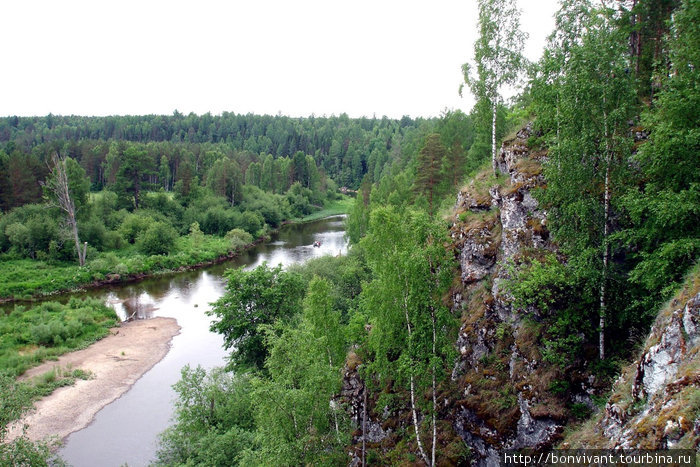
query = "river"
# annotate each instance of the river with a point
(126, 431)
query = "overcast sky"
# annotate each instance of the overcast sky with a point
(362, 57)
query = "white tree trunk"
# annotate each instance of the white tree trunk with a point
(606, 258)
(493, 135)
(413, 392)
(606, 247)
(60, 188)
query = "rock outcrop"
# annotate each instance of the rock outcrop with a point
(370, 431)
(503, 381)
(656, 401)
(506, 393)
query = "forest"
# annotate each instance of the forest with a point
(145, 201)
(613, 117)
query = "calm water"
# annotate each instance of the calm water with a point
(126, 430)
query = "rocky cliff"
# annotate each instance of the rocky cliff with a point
(505, 393)
(655, 403)
(505, 401)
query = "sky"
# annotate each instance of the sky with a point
(297, 58)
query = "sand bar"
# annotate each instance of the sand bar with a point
(116, 363)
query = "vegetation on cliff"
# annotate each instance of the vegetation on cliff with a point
(565, 253)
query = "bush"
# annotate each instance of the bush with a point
(251, 222)
(104, 205)
(18, 236)
(113, 240)
(219, 220)
(238, 238)
(134, 225)
(94, 233)
(158, 239)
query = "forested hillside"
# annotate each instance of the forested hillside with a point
(179, 147)
(126, 196)
(501, 322)
(505, 266)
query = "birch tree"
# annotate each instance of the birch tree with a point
(591, 99)
(65, 185)
(411, 337)
(498, 56)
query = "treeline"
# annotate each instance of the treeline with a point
(344, 149)
(220, 182)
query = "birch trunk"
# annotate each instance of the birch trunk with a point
(493, 135)
(61, 189)
(413, 392)
(606, 258)
(606, 247)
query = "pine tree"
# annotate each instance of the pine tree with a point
(429, 165)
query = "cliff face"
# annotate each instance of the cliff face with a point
(505, 391)
(655, 403)
(505, 400)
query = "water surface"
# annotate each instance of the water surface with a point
(126, 430)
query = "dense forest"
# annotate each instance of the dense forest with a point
(364, 358)
(190, 180)
(180, 147)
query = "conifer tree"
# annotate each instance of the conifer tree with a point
(429, 168)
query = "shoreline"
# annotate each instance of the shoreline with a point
(131, 278)
(116, 362)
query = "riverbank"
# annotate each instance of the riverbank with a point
(26, 280)
(115, 363)
(335, 208)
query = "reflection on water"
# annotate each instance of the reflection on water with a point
(126, 430)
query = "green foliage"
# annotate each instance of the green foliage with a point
(664, 207)
(238, 238)
(158, 239)
(412, 337)
(224, 179)
(134, 225)
(254, 298)
(132, 175)
(341, 205)
(499, 62)
(345, 274)
(213, 420)
(15, 399)
(287, 414)
(358, 218)
(537, 283)
(295, 419)
(429, 177)
(299, 198)
(27, 337)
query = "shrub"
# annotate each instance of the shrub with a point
(238, 238)
(251, 222)
(219, 220)
(134, 225)
(94, 233)
(158, 239)
(113, 240)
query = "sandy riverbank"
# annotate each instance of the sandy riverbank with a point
(116, 363)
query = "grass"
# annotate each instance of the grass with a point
(333, 208)
(26, 278)
(28, 337)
